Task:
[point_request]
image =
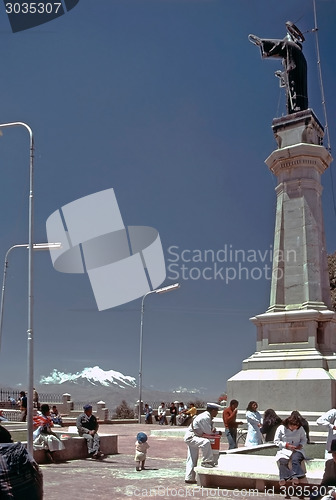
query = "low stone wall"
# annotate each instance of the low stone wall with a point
(76, 448)
(65, 407)
(247, 471)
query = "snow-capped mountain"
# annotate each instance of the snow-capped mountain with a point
(94, 376)
(93, 384)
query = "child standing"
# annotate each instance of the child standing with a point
(141, 447)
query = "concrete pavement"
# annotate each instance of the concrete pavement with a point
(116, 478)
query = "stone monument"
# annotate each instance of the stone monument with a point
(294, 366)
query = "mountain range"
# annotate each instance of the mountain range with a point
(94, 376)
(93, 384)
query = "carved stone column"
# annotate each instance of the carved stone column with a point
(296, 337)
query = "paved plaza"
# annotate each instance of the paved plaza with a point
(116, 477)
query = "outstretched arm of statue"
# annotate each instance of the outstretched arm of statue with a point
(254, 39)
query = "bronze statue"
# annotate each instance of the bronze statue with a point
(294, 76)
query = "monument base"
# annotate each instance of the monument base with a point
(285, 390)
(294, 367)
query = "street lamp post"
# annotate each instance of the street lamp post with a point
(36, 246)
(159, 290)
(30, 332)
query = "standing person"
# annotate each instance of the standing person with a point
(44, 438)
(173, 413)
(141, 447)
(87, 426)
(329, 476)
(229, 418)
(148, 411)
(271, 422)
(194, 438)
(162, 414)
(290, 438)
(253, 418)
(36, 399)
(23, 406)
(328, 419)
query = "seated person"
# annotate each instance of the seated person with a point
(304, 423)
(44, 438)
(55, 416)
(290, 438)
(12, 401)
(181, 413)
(271, 422)
(162, 414)
(2, 417)
(148, 411)
(20, 476)
(188, 414)
(87, 426)
(173, 413)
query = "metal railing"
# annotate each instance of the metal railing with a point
(78, 405)
(9, 393)
(12, 415)
(50, 398)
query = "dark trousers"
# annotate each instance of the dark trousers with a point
(296, 470)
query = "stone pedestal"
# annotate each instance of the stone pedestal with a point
(102, 411)
(67, 404)
(294, 364)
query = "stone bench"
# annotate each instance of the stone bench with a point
(259, 472)
(76, 447)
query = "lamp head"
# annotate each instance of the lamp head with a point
(168, 288)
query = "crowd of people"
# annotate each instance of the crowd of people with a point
(20, 475)
(289, 435)
(21, 403)
(179, 413)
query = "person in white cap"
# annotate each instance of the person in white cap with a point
(194, 438)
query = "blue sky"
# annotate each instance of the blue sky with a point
(167, 102)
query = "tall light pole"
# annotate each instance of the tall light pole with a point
(159, 290)
(30, 331)
(36, 246)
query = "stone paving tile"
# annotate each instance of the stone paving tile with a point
(116, 478)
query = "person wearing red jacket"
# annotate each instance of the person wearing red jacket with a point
(230, 423)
